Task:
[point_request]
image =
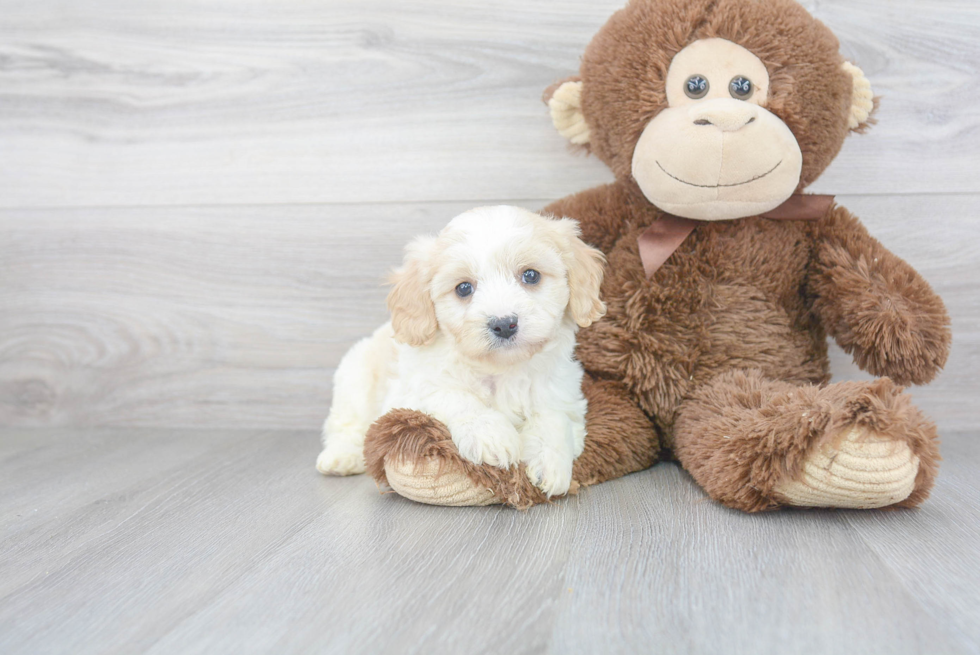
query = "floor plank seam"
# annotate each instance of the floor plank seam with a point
(969, 644)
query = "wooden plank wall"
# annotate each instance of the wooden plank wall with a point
(198, 198)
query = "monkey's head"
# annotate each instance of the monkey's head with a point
(715, 109)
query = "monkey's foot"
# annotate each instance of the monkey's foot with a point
(861, 470)
(414, 455)
(424, 483)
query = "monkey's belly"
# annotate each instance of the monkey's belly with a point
(661, 358)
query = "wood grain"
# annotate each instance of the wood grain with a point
(189, 316)
(198, 202)
(944, 580)
(130, 564)
(657, 567)
(233, 543)
(236, 317)
(349, 101)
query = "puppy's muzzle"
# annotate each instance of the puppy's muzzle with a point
(503, 328)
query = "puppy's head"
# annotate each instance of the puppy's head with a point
(500, 281)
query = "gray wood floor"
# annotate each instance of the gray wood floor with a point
(198, 201)
(176, 541)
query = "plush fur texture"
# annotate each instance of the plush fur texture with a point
(720, 359)
(742, 434)
(507, 400)
(625, 67)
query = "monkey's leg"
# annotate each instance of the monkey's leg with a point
(620, 438)
(414, 455)
(757, 444)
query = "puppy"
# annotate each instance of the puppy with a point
(482, 337)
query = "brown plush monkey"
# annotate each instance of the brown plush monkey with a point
(723, 282)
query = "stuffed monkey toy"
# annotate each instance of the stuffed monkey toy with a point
(723, 279)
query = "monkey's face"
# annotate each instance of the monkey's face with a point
(715, 152)
(713, 109)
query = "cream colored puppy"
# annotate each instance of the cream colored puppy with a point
(482, 337)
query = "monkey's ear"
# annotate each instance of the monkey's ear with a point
(565, 102)
(862, 99)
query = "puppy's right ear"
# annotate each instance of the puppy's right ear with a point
(413, 316)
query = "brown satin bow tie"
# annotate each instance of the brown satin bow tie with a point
(659, 241)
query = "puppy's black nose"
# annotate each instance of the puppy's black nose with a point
(504, 328)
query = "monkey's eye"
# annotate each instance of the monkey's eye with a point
(464, 289)
(531, 276)
(696, 86)
(741, 88)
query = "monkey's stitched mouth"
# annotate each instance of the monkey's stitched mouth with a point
(719, 186)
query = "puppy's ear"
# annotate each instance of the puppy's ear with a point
(413, 316)
(585, 267)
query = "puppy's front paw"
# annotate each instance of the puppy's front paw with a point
(341, 459)
(489, 439)
(550, 472)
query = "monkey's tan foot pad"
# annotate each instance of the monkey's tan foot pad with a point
(425, 484)
(860, 471)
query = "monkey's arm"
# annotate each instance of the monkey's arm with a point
(876, 306)
(602, 212)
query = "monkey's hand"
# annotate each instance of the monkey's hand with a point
(876, 306)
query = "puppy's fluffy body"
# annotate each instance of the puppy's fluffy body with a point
(504, 400)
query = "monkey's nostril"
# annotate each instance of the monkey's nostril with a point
(702, 121)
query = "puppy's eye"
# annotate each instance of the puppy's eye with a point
(741, 88)
(464, 289)
(696, 86)
(531, 276)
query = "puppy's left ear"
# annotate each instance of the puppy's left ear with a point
(585, 267)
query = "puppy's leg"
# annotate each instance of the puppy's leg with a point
(551, 442)
(487, 438)
(482, 435)
(359, 386)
